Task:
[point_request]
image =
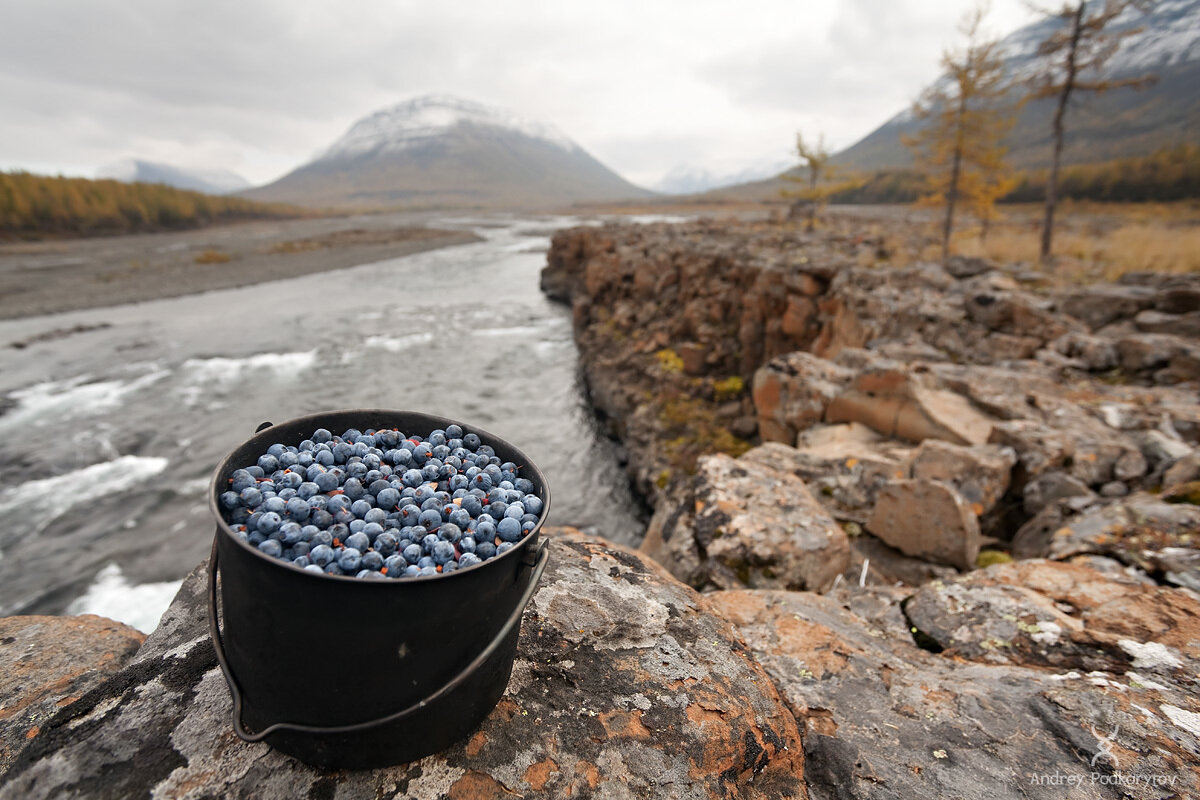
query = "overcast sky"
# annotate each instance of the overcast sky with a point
(260, 86)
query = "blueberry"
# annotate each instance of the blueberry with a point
(272, 548)
(350, 559)
(269, 522)
(509, 529)
(321, 555)
(358, 542)
(413, 553)
(468, 560)
(372, 560)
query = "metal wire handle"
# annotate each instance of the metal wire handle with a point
(539, 566)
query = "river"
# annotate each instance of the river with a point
(108, 437)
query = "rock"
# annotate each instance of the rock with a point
(927, 519)
(624, 686)
(47, 663)
(967, 267)
(791, 393)
(1093, 353)
(1058, 615)
(1185, 470)
(980, 473)
(1159, 448)
(887, 566)
(1177, 358)
(1018, 314)
(1144, 531)
(1051, 488)
(745, 524)
(1032, 539)
(1102, 305)
(885, 719)
(844, 466)
(1038, 448)
(903, 404)
(1178, 324)
(1179, 299)
(1114, 489)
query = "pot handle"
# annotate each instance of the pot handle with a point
(539, 566)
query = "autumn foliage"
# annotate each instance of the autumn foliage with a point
(36, 205)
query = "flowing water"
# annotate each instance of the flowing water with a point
(108, 437)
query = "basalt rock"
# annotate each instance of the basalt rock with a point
(624, 686)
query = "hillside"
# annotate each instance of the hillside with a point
(208, 181)
(1101, 127)
(444, 152)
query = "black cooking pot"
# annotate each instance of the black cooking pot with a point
(341, 672)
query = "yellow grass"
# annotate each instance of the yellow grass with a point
(212, 257)
(1092, 242)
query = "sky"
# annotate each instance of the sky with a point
(261, 86)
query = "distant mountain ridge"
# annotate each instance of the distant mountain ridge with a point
(209, 181)
(688, 179)
(1115, 124)
(443, 151)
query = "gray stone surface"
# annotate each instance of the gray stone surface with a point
(623, 687)
(885, 719)
(928, 519)
(49, 662)
(743, 524)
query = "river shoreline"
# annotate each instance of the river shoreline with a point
(48, 277)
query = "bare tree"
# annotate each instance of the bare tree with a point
(1073, 60)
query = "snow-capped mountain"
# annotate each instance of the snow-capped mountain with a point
(209, 181)
(1103, 126)
(442, 151)
(687, 179)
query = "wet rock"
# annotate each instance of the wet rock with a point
(903, 404)
(47, 663)
(745, 524)
(624, 686)
(883, 718)
(844, 466)
(1050, 489)
(980, 473)
(791, 393)
(928, 519)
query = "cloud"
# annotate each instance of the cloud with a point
(260, 86)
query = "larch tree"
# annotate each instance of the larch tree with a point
(814, 159)
(965, 115)
(1073, 60)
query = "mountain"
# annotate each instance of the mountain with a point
(1115, 124)
(211, 181)
(440, 151)
(686, 179)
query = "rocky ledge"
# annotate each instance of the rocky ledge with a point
(1012, 682)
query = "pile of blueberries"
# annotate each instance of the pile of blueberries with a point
(376, 505)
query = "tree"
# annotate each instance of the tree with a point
(965, 117)
(815, 159)
(1074, 54)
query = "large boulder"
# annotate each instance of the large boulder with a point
(50, 662)
(981, 473)
(741, 523)
(907, 403)
(885, 719)
(791, 393)
(845, 466)
(928, 519)
(624, 686)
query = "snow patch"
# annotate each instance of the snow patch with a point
(422, 119)
(112, 596)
